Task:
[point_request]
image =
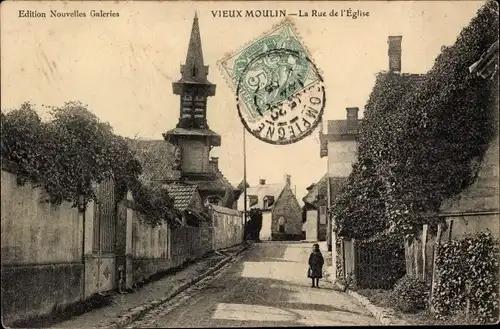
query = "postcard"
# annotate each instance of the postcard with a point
(249, 163)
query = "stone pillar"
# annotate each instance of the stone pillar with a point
(89, 277)
(333, 269)
(129, 270)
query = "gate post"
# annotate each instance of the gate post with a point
(88, 237)
(129, 270)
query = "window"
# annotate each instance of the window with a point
(268, 201)
(281, 224)
(214, 199)
(322, 214)
(252, 200)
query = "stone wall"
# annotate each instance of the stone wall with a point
(227, 227)
(288, 207)
(341, 156)
(477, 207)
(41, 250)
(311, 225)
(161, 248)
(267, 222)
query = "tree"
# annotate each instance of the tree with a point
(254, 225)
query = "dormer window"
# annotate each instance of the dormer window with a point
(268, 201)
(252, 200)
(213, 200)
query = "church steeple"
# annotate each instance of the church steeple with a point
(192, 137)
(194, 69)
(193, 86)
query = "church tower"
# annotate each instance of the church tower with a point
(192, 137)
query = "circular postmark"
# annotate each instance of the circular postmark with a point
(280, 96)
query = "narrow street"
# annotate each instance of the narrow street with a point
(267, 287)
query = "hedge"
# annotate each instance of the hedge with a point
(467, 269)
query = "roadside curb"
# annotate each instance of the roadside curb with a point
(134, 313)
(383, 315)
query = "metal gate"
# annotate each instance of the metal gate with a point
(377, 266)
(101, 265)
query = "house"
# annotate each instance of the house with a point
(281, 212)
(339, 143)
(477, 207)
(314, 210)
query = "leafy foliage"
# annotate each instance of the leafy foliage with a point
(422, 139)
(410, 295)
(155, 203)
(71, 153)
(359, 211)
(468, 269)
(254, 224)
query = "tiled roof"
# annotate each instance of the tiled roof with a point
(221, 183)
(182, 194)
(261, 191)
(156, 158)
(319, 188)
(342, 127)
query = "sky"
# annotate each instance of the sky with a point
(123, 67)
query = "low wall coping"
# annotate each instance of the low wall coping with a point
(224, 210)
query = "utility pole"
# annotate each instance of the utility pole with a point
(244, 185)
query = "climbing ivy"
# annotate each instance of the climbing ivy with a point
(70, 153)
(422, 139)
(467, 269)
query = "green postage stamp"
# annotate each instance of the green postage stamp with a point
(279, 92)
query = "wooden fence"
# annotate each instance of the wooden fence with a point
(421, 251)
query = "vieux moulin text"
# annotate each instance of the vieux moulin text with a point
(233, 13)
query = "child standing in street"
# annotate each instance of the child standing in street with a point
(316, 262)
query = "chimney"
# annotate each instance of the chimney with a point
(352, 118)
(262, 181)
(214, 164)
(395, 53)
(352, 113)
(288, 180)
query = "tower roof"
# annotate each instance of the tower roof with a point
(194, 69)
